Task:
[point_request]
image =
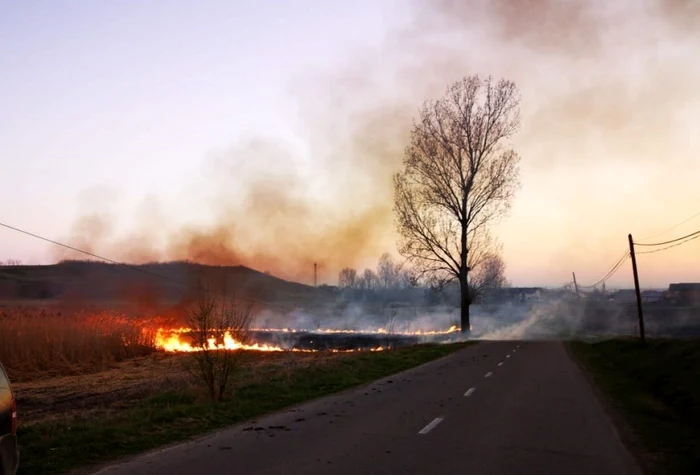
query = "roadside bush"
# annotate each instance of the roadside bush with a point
(218, 326)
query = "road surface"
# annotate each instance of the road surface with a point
(495, 408)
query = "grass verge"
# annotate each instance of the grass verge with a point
(59, 445)
(656, 388)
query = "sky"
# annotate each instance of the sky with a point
(266, 133)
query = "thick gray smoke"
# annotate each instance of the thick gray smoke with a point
(556, 316)
(356, 317)
(603, 84)
(609, 89)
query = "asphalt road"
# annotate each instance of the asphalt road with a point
(495, 408)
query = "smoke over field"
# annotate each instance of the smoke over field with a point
(36, 341)
(594, 76)
(571, 319)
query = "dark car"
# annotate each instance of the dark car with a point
(9, 454)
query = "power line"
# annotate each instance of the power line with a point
(614, 271)
(672, 245)
(610, 273)
(614, 267)
(673, 227)
(129, 266)
(62, 245)
(696, 233)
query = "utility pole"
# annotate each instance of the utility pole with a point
(640, 312)
(575, 284)
(315, 274)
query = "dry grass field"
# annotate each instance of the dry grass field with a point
(98, 394)
(91, 385)
(43, 341)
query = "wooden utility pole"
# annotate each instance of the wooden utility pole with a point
(640, 312)
(315, 274)
(575, 284)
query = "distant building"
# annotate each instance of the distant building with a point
(557, 294)
(686, 293)
(529, 295)
(521, 294)
(649, 296)
(624, 295)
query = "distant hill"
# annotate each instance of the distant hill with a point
(170, 282)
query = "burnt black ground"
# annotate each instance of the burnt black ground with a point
(334, 341)
(534, 414)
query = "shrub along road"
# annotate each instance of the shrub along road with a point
(499, 407)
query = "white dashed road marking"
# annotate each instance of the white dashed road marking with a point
(431, 426)
(488, 375)
(469, 392)
(507, 356)
(500, 364)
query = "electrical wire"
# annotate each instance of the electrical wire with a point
(610, 273)
(669, 247)
(672, 227)
(136, 268)
(696, 233)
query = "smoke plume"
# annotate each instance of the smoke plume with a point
(605, 85)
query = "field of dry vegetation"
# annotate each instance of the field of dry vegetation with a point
(125, 383)
(72, 362)
(91, 385)
(38, 342)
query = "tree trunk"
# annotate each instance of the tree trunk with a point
(465, 298)
(465, 302)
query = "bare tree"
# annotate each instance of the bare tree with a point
(459, 177)
(11, 263)
(217, 325)
(408, 278)
(391, 324)
(369, 280)
(388, 272)
(488, 277)
(347, 278)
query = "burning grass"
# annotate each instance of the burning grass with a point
(147, 402)
(301, 340)
(38, 342)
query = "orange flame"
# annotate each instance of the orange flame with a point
(170, 341)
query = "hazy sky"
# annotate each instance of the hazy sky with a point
(267, 132)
